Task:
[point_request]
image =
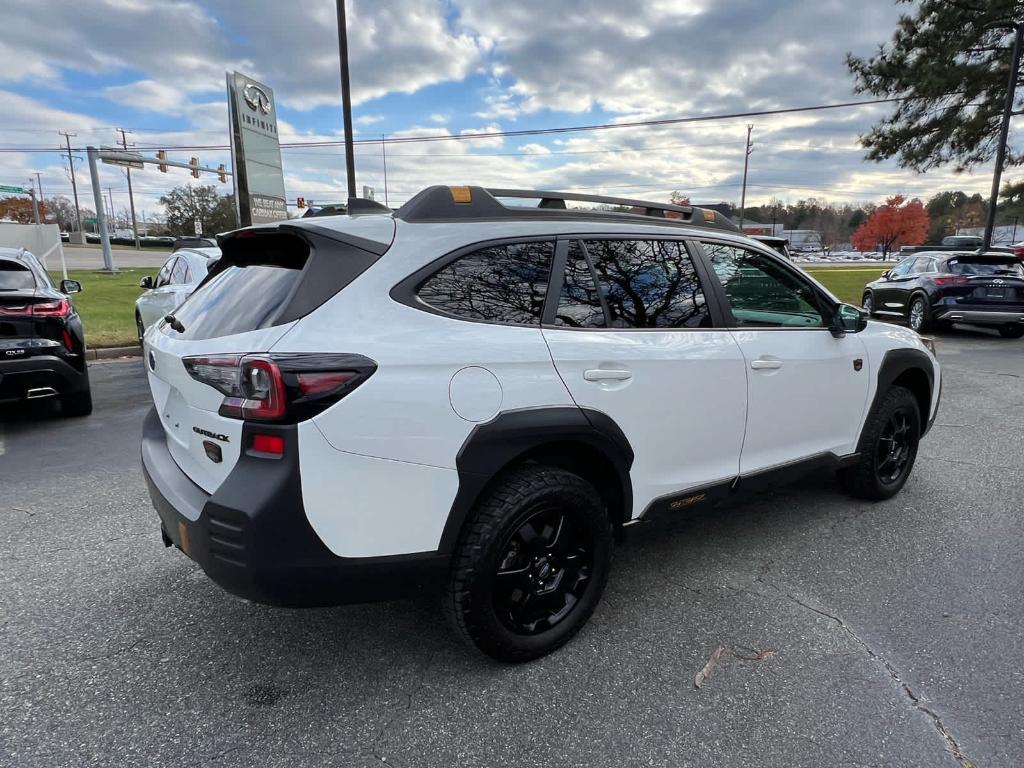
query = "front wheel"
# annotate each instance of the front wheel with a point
(140, 329)
(918, 316)
(1011, 331)
(887, 448)
(530, 565)
(868, 302)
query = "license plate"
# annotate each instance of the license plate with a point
(995, 293)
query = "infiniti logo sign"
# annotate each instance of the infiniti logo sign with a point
(256, 99)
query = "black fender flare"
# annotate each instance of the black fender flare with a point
(895, 363)
(492, 446)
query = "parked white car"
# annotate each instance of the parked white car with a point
(174, 283)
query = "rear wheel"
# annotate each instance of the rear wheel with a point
(868, 302)
(530, 565)
(1011, 331)
(918, 315)
(887, 448)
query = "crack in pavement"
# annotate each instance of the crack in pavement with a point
(917, 701)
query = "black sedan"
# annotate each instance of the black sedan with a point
(42, 346)
(935, 290)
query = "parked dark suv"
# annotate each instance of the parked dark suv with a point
(940, 288)
(42, 347)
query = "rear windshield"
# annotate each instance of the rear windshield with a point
(239, 299)
(15, 277)
(988, 266)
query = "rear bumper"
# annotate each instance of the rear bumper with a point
(19, 375)
(978, 316)
(253, 539)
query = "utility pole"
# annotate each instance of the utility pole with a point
(74, 184)
(131, 196)
(746, 165)
(1004, 131)
(346, 99)
(110, 199)
(384, 157)
(39, 183)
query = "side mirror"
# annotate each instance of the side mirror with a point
(146, 282)
(848, 319)
(885, 275)
(70, 286)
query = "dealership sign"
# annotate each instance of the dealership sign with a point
(255, 151)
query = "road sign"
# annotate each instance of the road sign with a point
(12, 190)
(367, 192)
(88, 219)
(121, 157)
(198, 224)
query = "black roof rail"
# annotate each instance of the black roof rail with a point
(440, 203)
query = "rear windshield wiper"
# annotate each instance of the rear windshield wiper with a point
(175, 323)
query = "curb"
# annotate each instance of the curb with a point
(107, 353)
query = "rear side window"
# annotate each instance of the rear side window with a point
(643, 284)
(15, 277)
(498, 284)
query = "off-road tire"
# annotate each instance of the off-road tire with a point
(862, 479)
(470, 597)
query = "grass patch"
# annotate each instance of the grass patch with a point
(847, 282)
(107, 305)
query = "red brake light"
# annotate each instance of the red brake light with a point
(949, 280)
(60, 308)
(289, 387)
(268, 444)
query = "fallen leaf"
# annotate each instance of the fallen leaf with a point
(710, 667)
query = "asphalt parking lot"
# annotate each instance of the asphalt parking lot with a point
(855, 634)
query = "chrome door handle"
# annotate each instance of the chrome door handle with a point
(606, 374)
(765, 365)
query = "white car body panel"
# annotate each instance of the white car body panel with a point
(681, 402)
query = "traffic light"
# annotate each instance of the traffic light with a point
(194, 162)
(161, 155)
(300, 202)
(221, 173)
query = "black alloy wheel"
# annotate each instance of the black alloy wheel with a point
(544, 571)
(531, 563)
(894, 448)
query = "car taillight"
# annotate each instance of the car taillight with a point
(949, 280)
(287, 387)
(59, 308)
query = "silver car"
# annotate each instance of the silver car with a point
(177, 278)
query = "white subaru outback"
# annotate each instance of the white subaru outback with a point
(475, 398)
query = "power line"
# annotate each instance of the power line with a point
(524, 132)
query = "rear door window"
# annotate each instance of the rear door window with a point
(16, 277)
(639, 284)
(503, 283)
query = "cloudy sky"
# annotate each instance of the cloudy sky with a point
(453, 68)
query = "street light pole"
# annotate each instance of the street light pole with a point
(101, 213)
(746, 165)
(74, 184)
(346, 99)
(1004, 131)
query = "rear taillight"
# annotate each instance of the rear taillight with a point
(59, 308)
(289, 387)
(949, 280)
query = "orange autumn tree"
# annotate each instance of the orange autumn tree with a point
(898, 222)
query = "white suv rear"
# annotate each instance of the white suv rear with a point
(476, 398)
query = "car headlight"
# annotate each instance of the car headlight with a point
(930, 344)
